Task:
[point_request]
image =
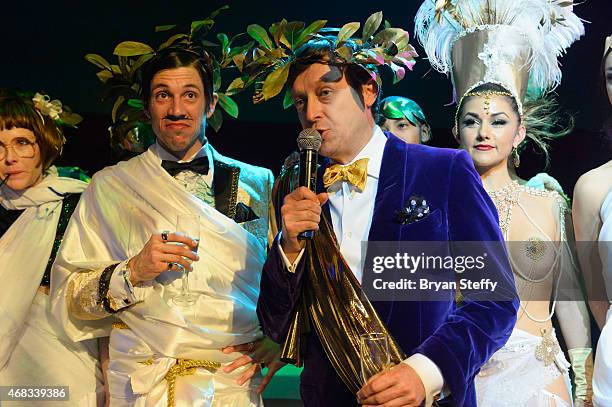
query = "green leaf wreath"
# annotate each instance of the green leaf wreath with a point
(266, 64)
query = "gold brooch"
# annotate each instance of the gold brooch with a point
(547, 349)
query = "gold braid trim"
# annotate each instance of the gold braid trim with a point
(488, 93)
(234, 193)
(120, 325)
(183, 367)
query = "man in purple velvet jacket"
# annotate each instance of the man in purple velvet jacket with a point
(444, 343)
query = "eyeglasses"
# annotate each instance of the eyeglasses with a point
(24, 148)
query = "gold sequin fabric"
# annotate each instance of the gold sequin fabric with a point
(333, 305)
(355, 174)
(535, 249)
(83, 292)
(120, 325)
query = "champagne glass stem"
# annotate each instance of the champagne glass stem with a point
(187, 225)
(185, 283)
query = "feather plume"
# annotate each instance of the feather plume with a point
(550, 27)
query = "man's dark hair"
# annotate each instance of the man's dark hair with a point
(321, 50)
(179, 57)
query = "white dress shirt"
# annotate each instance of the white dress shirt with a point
(351, 212)
(352, 209)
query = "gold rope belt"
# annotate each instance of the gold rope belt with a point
(182, 367)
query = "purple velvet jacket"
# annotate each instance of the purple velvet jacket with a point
(459, 340)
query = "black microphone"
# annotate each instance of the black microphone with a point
(3, 180)
(309, 142)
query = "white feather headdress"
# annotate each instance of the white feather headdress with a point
(515, 43)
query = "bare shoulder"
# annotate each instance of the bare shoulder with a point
(546, 208)
(544, 198)
(592, 187)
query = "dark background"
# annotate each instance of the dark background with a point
(43, 44)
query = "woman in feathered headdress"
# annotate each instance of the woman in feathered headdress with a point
(502, 58)
(593, 224)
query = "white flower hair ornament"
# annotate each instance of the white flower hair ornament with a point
(46, 106)
(61, 115)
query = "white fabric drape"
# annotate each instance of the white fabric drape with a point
(25, 249)
(123, 207)
(44, 356)
(134, 383)
(513, 376)
(602, 375)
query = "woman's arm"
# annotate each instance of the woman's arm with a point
(588, 198)
(572, 311)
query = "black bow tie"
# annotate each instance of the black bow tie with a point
(199, 165)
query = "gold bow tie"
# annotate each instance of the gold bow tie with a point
(355, 173)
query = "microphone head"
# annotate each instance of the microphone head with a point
(309, 139)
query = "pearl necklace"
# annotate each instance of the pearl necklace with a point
(505, 199)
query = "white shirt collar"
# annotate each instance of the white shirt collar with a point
(373, 150)
(204, 151)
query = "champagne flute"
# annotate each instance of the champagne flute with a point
(374, 354)
(187, 225)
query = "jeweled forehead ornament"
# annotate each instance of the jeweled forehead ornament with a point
(487, 103)
(487, 97)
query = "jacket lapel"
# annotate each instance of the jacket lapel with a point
(225, 187)
(390, 193)
(389, 199)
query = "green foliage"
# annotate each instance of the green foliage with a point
(307, 33)
(259, 34)
(73, 172)
(228, 104)
(131, 49)
(267, 62)
(371, 25)
(275, 82)
(287, 100)
(346, 32)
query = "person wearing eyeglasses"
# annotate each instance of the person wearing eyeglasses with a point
(36, 201)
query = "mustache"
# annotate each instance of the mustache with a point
(174, 118)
